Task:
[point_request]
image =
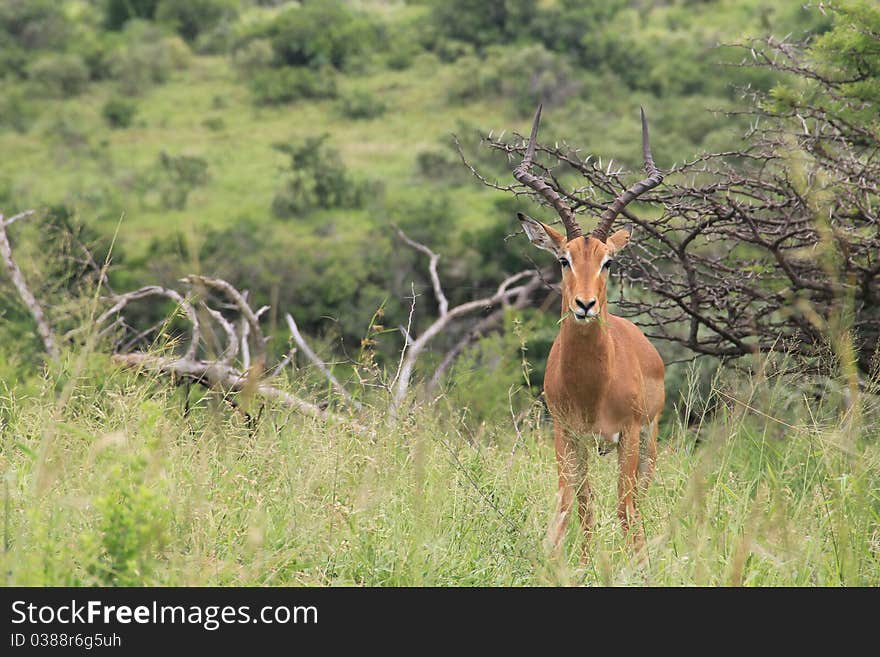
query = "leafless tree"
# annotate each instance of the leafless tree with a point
(762, 247)
(515, 290)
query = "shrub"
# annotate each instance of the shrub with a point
(362, 105)
(119, 113)
(443, 166)
(96, 50)
(322, 33)
(318, 179)
(450, 50)
(172, 179)
(481, 22)
(133, 517)
(402, 49)
(214, 123)
(195, 17)
(17, 111)
(284, 85)
(13, 61)
(253, 56)
(34, 24)
(148, 57)
(66, 128)
(550, 77)
(179, 175)
(59, 76)
(118, 12)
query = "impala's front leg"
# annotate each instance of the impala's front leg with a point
(628, 462)
(566, 464)
(585, 501)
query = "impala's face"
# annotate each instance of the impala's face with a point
(585, 262)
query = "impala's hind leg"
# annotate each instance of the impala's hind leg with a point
(566, 464)
(627, 484)
(584, 492)
(647, 454)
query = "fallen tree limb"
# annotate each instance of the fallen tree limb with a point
(503, 295)
(225, 378)
(36, 311)
(321, 365)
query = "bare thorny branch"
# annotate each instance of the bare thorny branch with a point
(753, 248)
(516, 288)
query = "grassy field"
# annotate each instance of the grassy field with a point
(107, 482)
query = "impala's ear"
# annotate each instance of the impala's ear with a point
(541, 235)
(618, 240)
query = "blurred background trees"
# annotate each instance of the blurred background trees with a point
(276, 143)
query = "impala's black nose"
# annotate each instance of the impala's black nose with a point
(585, 305)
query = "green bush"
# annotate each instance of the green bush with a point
(147, 57)
(118, 12)
(214, 123)
(580, 29)
(480, 22)
(318, 178)
(441, 166)
(14, 61)
(527, 76)
(97, 50)
(195, 17)
(277, 86)
(361, 105)
(119, 113)
(402, 49)
(253, 56)
(59, 76)
(169, 182)
(178, 176)
(17, 110)
(33, 24)
(133, 517)
(451, 50)
(66, 129)
(321, 33)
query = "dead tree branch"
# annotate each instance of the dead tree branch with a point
(47, 335)
(221, 373)
(219, 376)
(503, 295)
(321, 365)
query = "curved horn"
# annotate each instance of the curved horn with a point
(523, 175)
(655, 177)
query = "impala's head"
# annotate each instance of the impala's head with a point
(585, 262)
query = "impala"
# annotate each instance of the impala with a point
(604, 379)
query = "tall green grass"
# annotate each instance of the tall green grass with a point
(108, 481)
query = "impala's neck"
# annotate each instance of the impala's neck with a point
(587, 349)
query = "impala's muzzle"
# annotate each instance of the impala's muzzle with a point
(584, 311)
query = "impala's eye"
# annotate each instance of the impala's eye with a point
(564, 262)
(607, 265)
